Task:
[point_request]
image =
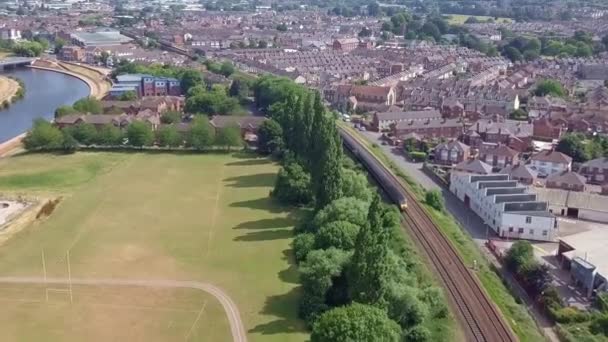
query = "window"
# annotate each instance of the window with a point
(528, 219)
(520, 230)
(545, 233)
(510, 229)
(531, 231)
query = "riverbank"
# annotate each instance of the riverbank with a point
(95, 79)
(8, 90)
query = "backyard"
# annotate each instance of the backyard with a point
(205, 218)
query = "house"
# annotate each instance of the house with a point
(498, 156)
(596, 170)
(506, 207)
(497, 130)
(543, 129)
(566, 180)
(72, 53)
(145, 85)
(345, 44)
(550, 162)
(521, 173)
(352, 97)
(382, 121)
(444, 128)
(474, 166)
(248, 124)
(453, 152)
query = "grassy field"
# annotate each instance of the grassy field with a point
(459, 19)
(155, 216)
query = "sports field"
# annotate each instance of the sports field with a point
(459, 19)
(204, 218)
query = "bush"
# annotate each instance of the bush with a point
(600, 325)
(43, 136)
(418, 156)
(293, 185)
(434, 199)
(569, 315)
(302, 245)
(418, 334)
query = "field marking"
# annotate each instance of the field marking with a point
(200, 313)
(215, 209)
(232, 313)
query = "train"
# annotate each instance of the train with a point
(387, 182)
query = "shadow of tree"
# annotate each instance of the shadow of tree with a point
(252, 181)
(265, 203)
(291, 274)
(266, 235)
(276, 222)
(284, 307)
(250, 162)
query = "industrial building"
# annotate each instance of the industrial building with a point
(145, 85)
(506, 207)
(99, 38)
(586, 256)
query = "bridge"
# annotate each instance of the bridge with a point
(13, 62)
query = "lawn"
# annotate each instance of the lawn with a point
(459, 19)
(157, 216)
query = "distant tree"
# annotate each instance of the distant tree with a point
(227, 69)
(88, 105)
(471, 20)
(431, 30)
(59, 44)
(238, 88)
(518, 114)
(43, 135)
(262, 44)
(513, 54)
(84, 133)
(374, 10)
(130, 95)
(201, 134)
(110, 135)
(64, 110)
(292, 185)
(573, 145)
(270, 137)
(281, 27)
(355, 322)
(69, 145)
(520, 253)
(229, 137)
(190, 78)
(365, 32)
(140, 134)
(169, 136)
(550, 87)
(171, 117)
(434, 199)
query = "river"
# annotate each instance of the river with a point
(44, 92)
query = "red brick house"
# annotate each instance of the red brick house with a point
(345, 44)
(498, 156)
(452, 152)
(445, 128)
(544, 129)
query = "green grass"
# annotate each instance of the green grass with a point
(459, 19)
(517, 315)
(579, 332)
(162, 216)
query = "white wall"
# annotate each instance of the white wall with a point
(592, 215)
(532, 231)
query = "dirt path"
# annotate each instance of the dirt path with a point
(234, 318)
(8, 88)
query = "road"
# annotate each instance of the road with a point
(232, 313)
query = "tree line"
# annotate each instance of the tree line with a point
(200, 136)
(358, 284)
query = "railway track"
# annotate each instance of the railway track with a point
(480, 319)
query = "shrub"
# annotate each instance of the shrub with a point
(569, 315)
(48, 208)
(434, 199)
(302, 245)
(418, 334)
(600, 325)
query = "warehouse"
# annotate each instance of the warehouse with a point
(507, 208)
(580, 205)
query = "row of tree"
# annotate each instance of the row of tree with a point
(357, 287)
(581, 148)
(201, 136)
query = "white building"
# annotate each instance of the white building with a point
(10, 34)
(506, 207)
(550, 162)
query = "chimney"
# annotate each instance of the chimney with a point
(477, 127)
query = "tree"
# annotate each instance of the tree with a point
(369, 268)
(292, 185)
(171, 117)
(518, 114)
(513, 54)
(418, 334)
(355, 322)
(262, 44)
(600, 324)
(329, 186)
(550, 87)
(227, 69)
(471, 20)
(343, 209)
(573, 146)
(431, 30)
(337, 234)
(130, 95)
(69, 145)
(140, 134)
(169, 136)
(64, 110)
(320, 268)
(536, 277)
(238, 89)
(374, 10)
(190, 78)
(520, 253)
(281, 28)
(302, 245)
(214, 102)
(229, 136)
(270, 137)
(110, 135)
(365, 32)
(354, 184)
(84, 133)
(88, 105)
(201, 134)
(43, 135)
(59, 44)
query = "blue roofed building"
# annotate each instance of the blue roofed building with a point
(145, 85)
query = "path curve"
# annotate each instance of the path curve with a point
(234, 318)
